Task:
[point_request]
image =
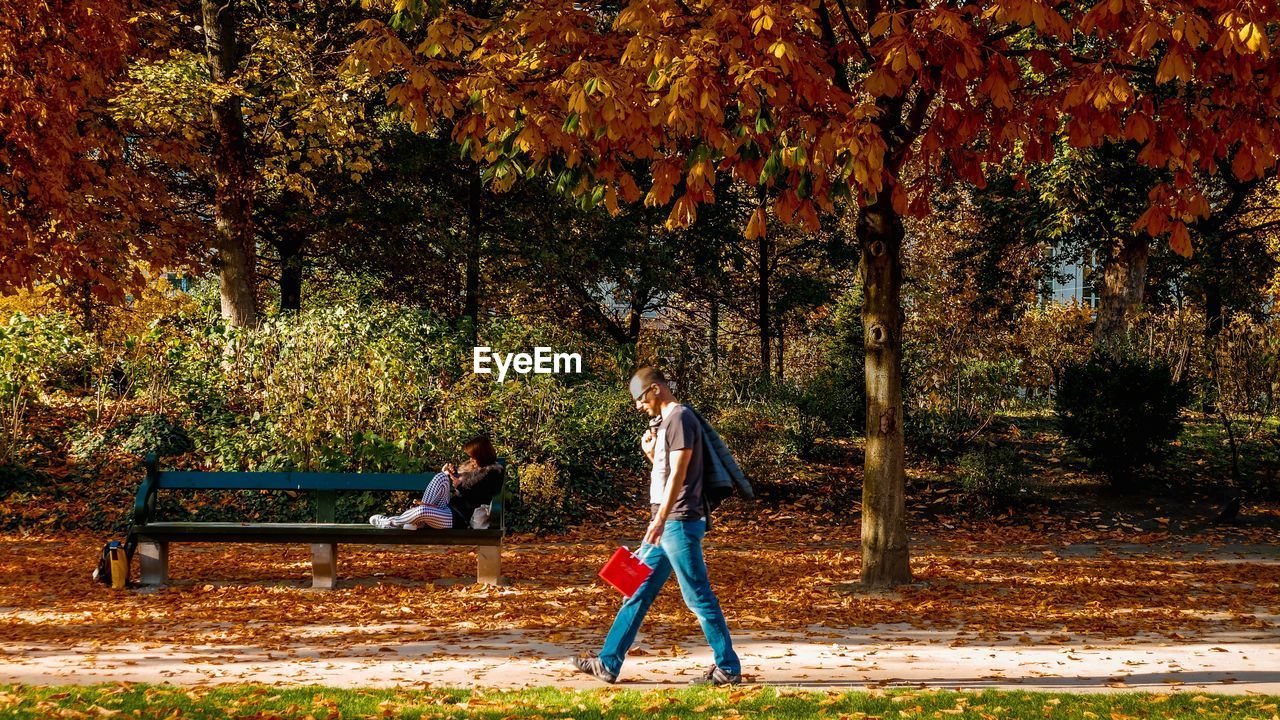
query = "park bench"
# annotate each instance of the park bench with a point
(324, 535)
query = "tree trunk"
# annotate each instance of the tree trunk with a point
(471, 305)
(1215, 319)
(291, 271)
(885, 558)
(1124, 280)
(762, 303)
(88, 321)
(715, 334)
(233, 202)
(782, 350)
(634, 316)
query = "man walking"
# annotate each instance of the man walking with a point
(674, 445)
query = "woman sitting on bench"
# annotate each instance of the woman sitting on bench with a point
(453, 495)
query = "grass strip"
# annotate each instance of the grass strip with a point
(265, 702)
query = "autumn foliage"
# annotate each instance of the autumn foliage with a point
(821, 100)
(73, 208)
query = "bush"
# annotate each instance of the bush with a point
(37, 355)
(992, 479)
(541, 498)
(157, 434)
(756, 433)
(945, 412)
(1121, 413)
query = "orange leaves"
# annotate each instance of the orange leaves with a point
(1138, 127)
(1189, 28)
(1101, 90)
(665, 176)
(1030, 13)
(1170, 210)
(1180, 239)
(996, 86)
(1174, 65)
(702, 174)
(983, 576)
(627, 186)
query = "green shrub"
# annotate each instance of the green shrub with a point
(157, 434)
(945, 412)
(541, 500)
(992, 479)
(1121, 413)
(37, 356)
(758, 437)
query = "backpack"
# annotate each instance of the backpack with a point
(103, 572)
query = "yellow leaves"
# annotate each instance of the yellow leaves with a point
(683, 213)
(1118, 91)
(1252, 37)
(761, 17)
(781, 50)
(900, 56)
(1146, 36)
(701, 175)
(578, 101)
(756, 226)
(1242, 35)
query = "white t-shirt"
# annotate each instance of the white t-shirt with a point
(658, 475)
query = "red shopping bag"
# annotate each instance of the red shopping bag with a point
(625, 571)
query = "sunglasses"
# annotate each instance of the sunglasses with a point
(648, 390)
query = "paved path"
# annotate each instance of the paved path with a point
(822, 658)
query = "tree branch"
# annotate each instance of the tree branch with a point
(854, 32)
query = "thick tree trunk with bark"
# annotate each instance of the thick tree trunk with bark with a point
(762, 305)
(1123, 286)
(885, 558)
(233, 202)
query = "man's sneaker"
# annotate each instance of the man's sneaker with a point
(593, 666)
(382, 522)
(716, 676)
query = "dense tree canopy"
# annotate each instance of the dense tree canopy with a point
(74, 210)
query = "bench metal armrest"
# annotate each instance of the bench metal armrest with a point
(144, 503)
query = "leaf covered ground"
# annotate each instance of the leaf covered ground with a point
(985, 580)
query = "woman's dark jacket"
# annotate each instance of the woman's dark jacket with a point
(473, 489)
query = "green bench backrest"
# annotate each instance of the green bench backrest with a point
(185, 480)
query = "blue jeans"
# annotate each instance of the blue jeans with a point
(680, 550)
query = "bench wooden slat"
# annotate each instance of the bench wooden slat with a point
(343, 533)
(191, 480)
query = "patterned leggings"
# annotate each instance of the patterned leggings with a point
(434, 513)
